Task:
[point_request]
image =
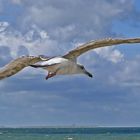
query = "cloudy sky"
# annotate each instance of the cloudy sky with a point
(52, 27)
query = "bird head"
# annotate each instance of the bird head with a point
(84, 71)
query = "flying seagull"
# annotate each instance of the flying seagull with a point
(61, 65)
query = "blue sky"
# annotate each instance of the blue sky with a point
(53, 27)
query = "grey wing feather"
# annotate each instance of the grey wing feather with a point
(98, 44)
(18, 64)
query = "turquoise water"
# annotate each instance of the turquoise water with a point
(70, 134)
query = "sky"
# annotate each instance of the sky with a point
(53, 27)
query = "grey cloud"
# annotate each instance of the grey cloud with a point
(128, 73)
(82, 20)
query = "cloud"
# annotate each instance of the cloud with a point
(70, 23)
(128, 73)
(60, 27)
(3, 26)
(34, 42)
(52, 28)
(110, 54)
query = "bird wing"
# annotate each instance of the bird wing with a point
(73, 54)
(18, 64)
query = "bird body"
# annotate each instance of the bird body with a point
(62, 65)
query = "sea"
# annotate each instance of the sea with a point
(97, 133)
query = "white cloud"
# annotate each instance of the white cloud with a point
(127, 73)
(3, 26)
(110, 54)
(35, 40)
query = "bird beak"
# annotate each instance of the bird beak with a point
(88, 74)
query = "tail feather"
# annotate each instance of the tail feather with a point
(37, 66)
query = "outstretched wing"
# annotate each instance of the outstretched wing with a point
(18, 64)
(98, 44)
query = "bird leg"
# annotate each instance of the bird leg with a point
(50, 74)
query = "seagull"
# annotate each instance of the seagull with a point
(61, 65)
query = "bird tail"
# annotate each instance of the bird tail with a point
(37, 66)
